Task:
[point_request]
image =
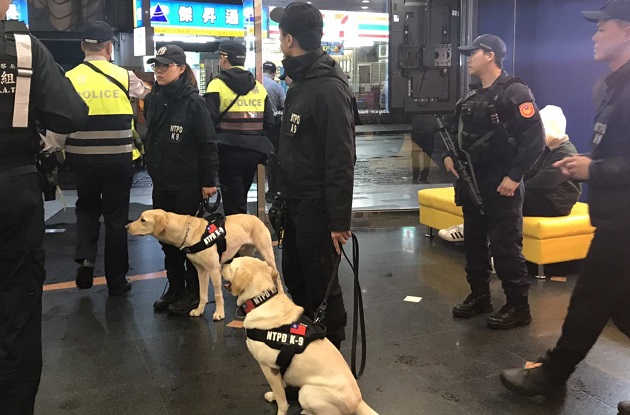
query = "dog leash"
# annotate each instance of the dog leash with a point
(206, 207)
(358, 316)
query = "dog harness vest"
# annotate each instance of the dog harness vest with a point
(290, 339)
(214, 234)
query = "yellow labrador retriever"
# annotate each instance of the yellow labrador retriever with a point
(242, 232)
(326, 384)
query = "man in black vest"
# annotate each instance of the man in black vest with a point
(39, 91)
(602, 291)
(500, 128)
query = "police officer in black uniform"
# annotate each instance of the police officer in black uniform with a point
(53, 102)
(602, 290)
(182, 160)
(316, 164)
(500, 128)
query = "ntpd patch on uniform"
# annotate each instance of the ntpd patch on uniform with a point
(527, 109)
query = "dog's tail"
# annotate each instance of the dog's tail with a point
(364, 409)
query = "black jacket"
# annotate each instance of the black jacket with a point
(609, 184)
(181, 144)
(317, 152)
(549, 182)
(53, 101)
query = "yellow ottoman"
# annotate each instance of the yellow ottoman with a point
(545, 240)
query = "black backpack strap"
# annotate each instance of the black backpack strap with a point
(111, 78)
(227, 109)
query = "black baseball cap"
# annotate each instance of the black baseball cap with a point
(270, 67)
(489, 43)
(169, 54)
(299, 19)
(613, 9)
(283, 76)
(233, 48)
(97, 32)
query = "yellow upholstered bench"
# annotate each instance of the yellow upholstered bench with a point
(545, 240)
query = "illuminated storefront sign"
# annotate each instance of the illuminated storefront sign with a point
(18, 10)
(189, 18)
(339, 25)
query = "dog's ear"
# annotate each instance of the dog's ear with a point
(159, 223)
(241, 279)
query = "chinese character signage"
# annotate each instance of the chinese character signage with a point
(190, 18)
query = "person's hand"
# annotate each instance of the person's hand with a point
(507, 187)
(450, 166)
(208, 192)
(340, 237)
(576, 167)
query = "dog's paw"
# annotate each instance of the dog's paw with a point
(218, 315)
(270, 397)
(196, 312)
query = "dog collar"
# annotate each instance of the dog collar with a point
(181, 246)
(249, 305)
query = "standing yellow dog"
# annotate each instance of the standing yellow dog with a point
(243, 233)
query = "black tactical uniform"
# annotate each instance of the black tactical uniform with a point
(181, 153)
(501, 129)
(56, 105)
(602, 291)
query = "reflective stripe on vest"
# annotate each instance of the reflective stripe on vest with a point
(23, 81)
(246, 114)
(108, 130)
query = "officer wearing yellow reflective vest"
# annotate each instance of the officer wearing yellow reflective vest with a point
(101, 158)
(33, 89)
(242, 115)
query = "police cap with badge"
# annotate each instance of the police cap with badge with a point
(169, 54)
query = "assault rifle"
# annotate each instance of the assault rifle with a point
(463, 166)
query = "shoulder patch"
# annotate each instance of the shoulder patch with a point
(527, 109)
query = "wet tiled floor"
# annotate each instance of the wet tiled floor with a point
(116, 356)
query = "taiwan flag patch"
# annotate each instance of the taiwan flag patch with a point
(212, 228)
(298, 328)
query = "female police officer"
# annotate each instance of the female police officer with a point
(182, 160)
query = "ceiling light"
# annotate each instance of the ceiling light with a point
(364, 7)
(365, 1)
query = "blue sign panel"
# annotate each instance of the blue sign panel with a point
(18, 10)
(181, 17)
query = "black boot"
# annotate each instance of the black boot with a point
(424, 175)
(475, 303)
(175, 292)
(511, 315)
(624, 408)
(184, 305)
(539, 379)
(189, 301)
(85, 277)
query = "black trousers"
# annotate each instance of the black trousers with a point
(272, 166)
(237, 168)
(308, 256)
(421, 151)
(536, 205)
(183, 202)
(602, 292)
(103, 189)
(502, 227)
(21, 281)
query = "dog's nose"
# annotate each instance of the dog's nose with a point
(127, 226)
